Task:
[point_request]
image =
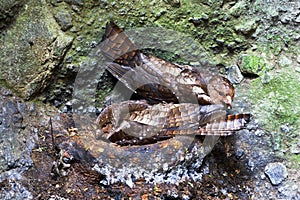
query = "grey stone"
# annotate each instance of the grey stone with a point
(246, 26)
(259, 132)
(10, 108)
(17, 118)
(285, 61)
(235, 75)
(285, 19)
(13, 152)
(289, 190)
(276, 172)
(285, 128)
(298, 59)
(263, 176)
(22, 107)
(64, 19)
(251, 164)
(238, 8)
(16, 144)
(295, 149)
(297, 19)
(265, 77)
(239, 153)
(14, 190)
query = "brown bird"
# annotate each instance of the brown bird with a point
(137, 122)
(158, 80)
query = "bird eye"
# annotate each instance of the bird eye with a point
(221, 93)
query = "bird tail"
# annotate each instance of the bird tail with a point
(224, 126)
(117, 46)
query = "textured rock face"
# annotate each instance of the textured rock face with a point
(32, 50)
(14, 152)
(46, 40)
(16, 143)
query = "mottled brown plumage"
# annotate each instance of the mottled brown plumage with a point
(188, 101)
(159, 80)
(136, 122)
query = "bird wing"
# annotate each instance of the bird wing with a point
(151, 77)
(161, 121)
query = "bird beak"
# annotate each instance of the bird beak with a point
(228, 101)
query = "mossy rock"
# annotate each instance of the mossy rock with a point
(252, 64)
(32, 50)
(277, 102)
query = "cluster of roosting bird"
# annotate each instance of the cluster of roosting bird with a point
(175, 99)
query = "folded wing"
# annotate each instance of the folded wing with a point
(137, 121)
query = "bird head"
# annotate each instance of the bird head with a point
(221, 91)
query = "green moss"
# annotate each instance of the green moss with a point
(295, 161)
(166, 55)
(101, 95)
(277, 102)
(4, 84)
(277, 43)
(246, 26)
(253, 64)
(215, 30)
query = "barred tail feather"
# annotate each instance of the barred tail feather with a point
(225, 126)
